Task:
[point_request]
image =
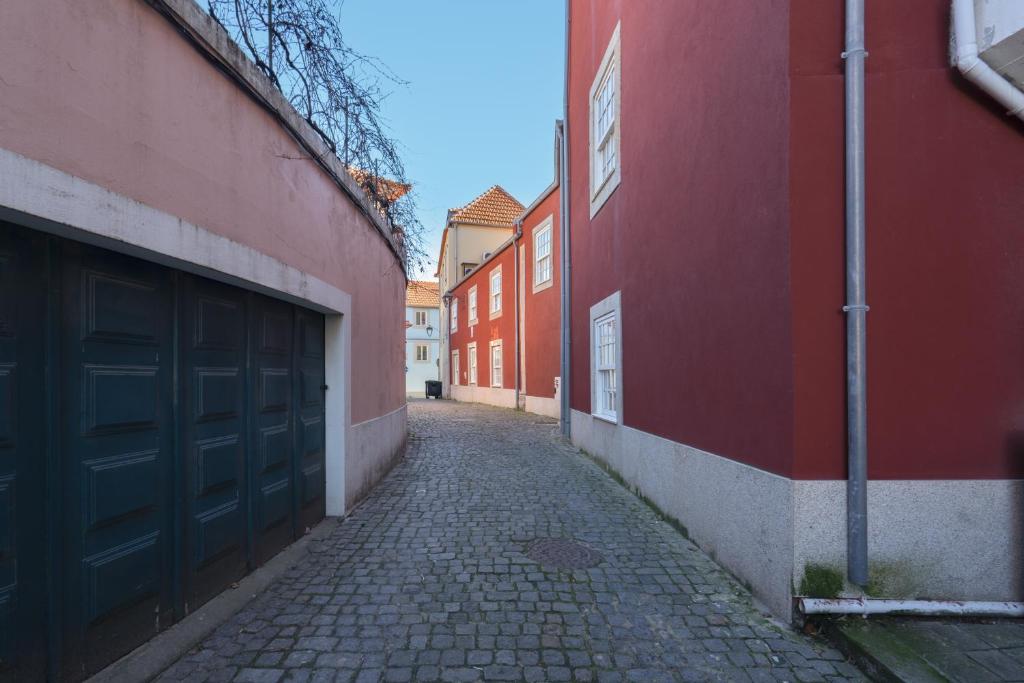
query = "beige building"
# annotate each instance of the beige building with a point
(471, 233)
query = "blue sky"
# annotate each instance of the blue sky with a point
(484, 90)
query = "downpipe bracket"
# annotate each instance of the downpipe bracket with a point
(854, 308)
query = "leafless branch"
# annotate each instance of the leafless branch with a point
(338, 90)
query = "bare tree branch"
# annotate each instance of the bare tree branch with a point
(340, 93)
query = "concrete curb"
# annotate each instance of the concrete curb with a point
(150, 659)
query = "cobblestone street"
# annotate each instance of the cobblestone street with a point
(428, 579)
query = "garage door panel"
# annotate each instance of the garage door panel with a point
(272, 474)
(217, 464)
(117, 373)
(119, 486)
(218, 393)
(309, 463)
(22, 453)
(312, 331)
(121, 577)
(275, 386)
(119, 398)
(275, 447)
(214, 388)
(312, 483)
(119, 308)
(7, 522)
(219, 532)
(8, 405)
(142, 351)
(275, 330)
(219, 324)
(275, 503)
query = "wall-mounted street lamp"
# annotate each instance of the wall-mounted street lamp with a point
(430, 330)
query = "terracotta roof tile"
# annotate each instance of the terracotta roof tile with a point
(386, 188)
(493, 207)
(422, 293)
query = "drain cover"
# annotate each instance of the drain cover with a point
(563, 553)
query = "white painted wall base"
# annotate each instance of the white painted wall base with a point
(503, 398)
(549, 407)
(954, 540)
(944, 539)
(739, 515)
(373, 449)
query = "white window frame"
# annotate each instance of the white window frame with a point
(472, 306)
(455, 314)
(602, 183)
(541, 279)
(416, 318)
(494, 297)
(471, 362)
(426, 353)
(496, 370)
(600, 312)
(455, 368)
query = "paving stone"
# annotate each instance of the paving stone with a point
(427, 580)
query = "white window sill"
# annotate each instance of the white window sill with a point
(604, 191)
(547, 284)
(610, 419)
(495, 314)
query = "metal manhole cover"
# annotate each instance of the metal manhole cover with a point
(563, 553)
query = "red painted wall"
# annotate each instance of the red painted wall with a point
(726, 238)
(542, 317)
(945, 253)
(696, 234)
(487, 330)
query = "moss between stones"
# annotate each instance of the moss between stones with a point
(821, 581)
(893, 579)
(664, 516)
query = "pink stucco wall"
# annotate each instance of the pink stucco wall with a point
(106, 90)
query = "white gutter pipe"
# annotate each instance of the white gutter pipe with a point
(929, 608)
(965, 58)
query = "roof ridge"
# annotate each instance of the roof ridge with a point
(495, 205)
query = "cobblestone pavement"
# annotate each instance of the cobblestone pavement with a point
(427, 580)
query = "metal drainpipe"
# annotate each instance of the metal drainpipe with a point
(515, 254)
(446, 330)
(565, 277)
(856, 307)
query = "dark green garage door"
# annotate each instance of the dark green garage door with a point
(161, 435)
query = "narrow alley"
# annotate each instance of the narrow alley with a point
(431, 578)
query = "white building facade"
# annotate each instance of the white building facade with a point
(422, 336)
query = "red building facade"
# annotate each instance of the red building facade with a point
(526, 274)
(482, 324)
(706, 175)
(541, 318)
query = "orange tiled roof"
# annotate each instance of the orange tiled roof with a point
(422, 294)
(493, 207)
(388, 189)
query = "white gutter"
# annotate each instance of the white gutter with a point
(869, 606)
(965, 58)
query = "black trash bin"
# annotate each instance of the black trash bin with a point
(434, 388)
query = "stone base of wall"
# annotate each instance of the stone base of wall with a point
(504, 398)
(958, 540)
(373, 448)
(549, 407)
